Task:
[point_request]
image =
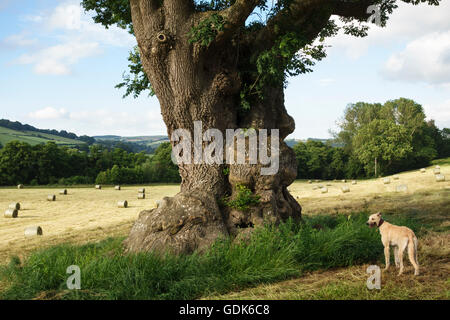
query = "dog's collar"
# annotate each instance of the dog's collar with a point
(381, 222)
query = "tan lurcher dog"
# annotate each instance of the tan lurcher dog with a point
(398, 237)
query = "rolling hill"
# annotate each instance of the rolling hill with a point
(34, 138)
(150, 141)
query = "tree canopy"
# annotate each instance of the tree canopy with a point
(286, 37)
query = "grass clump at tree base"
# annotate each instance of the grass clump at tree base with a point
(271, 254)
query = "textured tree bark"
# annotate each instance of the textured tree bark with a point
(195, 83)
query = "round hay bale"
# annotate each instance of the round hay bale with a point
(98, 187)
(440, 178)
(141, 195)
(20, 186)
(354, 182)
(51, 197)
(386, 180)
(142, 190)
(345, 189)
(396, 177)
(309, 181)
(401, 188)
(423, 170)
(344, 181)
(14, 205)
(63, 191)
(11, 213)
(447, 187)
(33, 231)
(118, 188)
(437, 167)
(324, 190)
(123, 204)
(315, 187)
(437, 171)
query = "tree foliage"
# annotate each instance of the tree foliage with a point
(50, 164)
(381, 140)
(287, 36)
(396, 133)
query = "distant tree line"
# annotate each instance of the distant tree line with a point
(16, 125)
(373, 139)
(50, 164)
(158, 168)
(134, 147)
(376, 139)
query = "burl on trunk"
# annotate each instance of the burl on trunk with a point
(202, 83)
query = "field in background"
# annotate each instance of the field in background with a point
(151, 141)
(34, 138)
(89, 215)
(423, 195)
(84, 215)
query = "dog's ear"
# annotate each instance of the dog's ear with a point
(379, 214)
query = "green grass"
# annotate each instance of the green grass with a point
(441, 162)
(33, 138)
(272, 254)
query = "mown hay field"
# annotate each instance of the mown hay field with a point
(88, 215)
(83, 215)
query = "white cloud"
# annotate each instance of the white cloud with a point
(106, 121)
(78, 37)
(49, 113)
(406, 23)
(19, 40)
(425, 59)
(71, 19)
(440, 112)
(32, 18)
(99, 121)
(56, 60)
(65, 16)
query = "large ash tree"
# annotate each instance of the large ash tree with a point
(226, 63)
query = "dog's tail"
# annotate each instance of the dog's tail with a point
(415, 247)
(413, 242)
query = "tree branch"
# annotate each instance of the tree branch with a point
(309, 17)
(237, 14)
(153, 16)
(356, 10)
(144, 20)
(178, 11)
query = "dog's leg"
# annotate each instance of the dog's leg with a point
(386, 256)
(397, 264)
(412, 254)
(401, 250)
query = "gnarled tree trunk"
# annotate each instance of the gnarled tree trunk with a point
(202, 83)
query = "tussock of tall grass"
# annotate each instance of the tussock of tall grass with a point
(271, 254)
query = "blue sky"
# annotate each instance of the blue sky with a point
(58, 71)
